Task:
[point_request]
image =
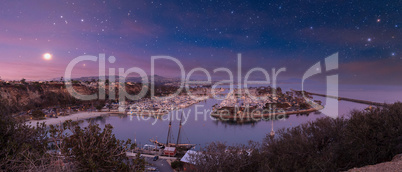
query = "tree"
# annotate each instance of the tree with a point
(138, 163)
(307, 147)
(177, 165)
(38, 114)
(372, 136)
(278, 91)
(75, 82)
(91, 149)
(327, 144)
(304, 105)
(98, 107)
(282, 105)
(220, 157)
(23, 148)
(23, 81)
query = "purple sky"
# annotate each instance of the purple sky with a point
(203, 34)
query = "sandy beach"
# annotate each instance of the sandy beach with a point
(61, 119)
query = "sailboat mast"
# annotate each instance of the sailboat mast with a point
(178, 135)
(272, 126)
(135, 138)
(168, 136)
(272, 129)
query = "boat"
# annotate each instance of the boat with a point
(178, 145)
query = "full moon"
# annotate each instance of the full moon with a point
(47, 56)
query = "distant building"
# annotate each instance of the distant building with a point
(169, 151)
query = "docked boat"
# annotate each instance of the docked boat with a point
(178, 145)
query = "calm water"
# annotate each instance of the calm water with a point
(201, 129)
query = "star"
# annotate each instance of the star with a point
(378, 20)
(369, 39)
(393, 54)
(82, 20)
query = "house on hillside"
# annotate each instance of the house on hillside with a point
(188, 164)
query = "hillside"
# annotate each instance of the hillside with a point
(17, 98)
(391, 166)
(157, 79)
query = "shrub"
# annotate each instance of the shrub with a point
(94, 149)
(38, 114)
(372, 136)
(327, 144)
(23, 148)
(177, 165)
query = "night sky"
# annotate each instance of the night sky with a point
(208, 34)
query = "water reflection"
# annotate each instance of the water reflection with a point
(201, 128)
(235, 122)
(198, 128)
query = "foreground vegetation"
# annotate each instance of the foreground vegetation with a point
(25, 148)
(367, 137)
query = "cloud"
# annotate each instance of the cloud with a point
(351, 36)
(375, 72)
(133, 29)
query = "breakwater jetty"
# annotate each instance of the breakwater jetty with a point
(348, 99)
